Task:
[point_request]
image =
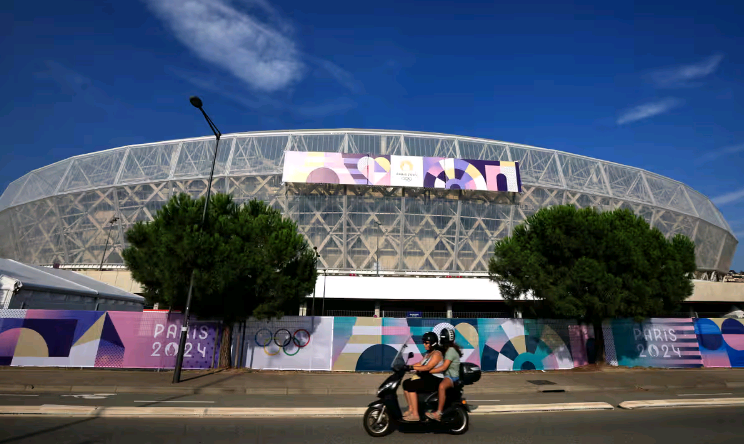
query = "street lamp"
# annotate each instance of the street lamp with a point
(112, 222)
(197, 103)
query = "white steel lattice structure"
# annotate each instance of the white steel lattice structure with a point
(61, 212)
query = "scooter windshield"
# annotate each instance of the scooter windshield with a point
(400, 358)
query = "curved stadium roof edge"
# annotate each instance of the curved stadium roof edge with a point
(21, 180)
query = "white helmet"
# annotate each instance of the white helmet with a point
(446, 336)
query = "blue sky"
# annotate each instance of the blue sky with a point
(656, 85)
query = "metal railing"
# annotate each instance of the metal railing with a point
(481, 314)
(404, 314)
(352, 313)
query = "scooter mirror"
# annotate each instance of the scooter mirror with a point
(410, 355)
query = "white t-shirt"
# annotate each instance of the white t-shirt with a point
(441, 363)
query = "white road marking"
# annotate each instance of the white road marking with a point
(705, 394)
(190, 402)
(2, 394)
(484, 400)
(90, 396)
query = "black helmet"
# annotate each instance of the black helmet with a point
(447, 336)
(430, 337)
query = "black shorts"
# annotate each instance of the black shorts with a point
(425, 383)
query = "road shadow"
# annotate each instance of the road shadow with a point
(47, 430)
(203, 375)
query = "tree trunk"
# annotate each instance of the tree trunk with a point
(226, 346)
(599, 345)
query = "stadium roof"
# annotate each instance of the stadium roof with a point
(262, 153)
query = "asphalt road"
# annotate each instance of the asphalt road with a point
(677, 426)
(151, 400)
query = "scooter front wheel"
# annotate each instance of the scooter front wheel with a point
(377, 421)
(460, 422)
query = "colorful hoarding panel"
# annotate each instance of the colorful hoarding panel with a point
(289, 343)
(370, 344)
(721, 341)
(401, 171)
(66, 338)
(654, 342)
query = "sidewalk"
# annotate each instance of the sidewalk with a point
(241, 381)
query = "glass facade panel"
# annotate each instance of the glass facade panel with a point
(62, 212)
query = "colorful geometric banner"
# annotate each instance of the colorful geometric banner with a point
(370, 344)
(655, 342)
(63, 338)
(721, 341)
(115, 339)
(401, 171)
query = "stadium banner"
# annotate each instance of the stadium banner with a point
(721, 341)
(654, 342)
(362, 344)
(401, 171)
(114, 339)
(289, 343)
(69, 338)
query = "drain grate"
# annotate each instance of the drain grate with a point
(541, 382)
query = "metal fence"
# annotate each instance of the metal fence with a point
(481, 314)
(404, 314)
(352, 313)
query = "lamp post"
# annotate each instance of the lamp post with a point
(111, 222)
(197, 103)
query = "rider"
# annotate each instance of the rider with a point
(424, 381)
(450, 368)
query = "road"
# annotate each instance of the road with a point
(677, 426)
(150, 400)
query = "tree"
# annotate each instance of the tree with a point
(592, 265)
(248, 260)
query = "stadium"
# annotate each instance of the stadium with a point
(404, 239)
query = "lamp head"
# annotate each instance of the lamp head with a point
(196, 102)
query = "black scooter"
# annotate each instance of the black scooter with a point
(384, 415)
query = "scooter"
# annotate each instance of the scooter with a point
(384, 415)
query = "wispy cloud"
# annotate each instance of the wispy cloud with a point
(684, 75)
(251, 40)
(342, 76)
(649, 109)
(728, 198)
(253, 44)
(713, 155)
(264, 101)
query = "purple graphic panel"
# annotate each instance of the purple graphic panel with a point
(64, 338)
(150, 340)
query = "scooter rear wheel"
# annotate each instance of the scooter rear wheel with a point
(377, 422)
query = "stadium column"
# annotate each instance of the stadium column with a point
(377, 309)
(449, 309)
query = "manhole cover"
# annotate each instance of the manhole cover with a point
(541, 382)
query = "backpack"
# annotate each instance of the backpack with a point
(469, 373)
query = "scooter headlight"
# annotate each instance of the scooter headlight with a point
(392, 385)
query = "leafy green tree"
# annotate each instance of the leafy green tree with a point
(249, 260)
(591, 265)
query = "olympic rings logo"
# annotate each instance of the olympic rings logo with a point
(283, 339)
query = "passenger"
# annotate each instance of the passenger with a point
(424, 381)
(450, 368)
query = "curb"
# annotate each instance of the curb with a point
(287, 391)
(710, 402)
(230, 412)
(535, 408)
